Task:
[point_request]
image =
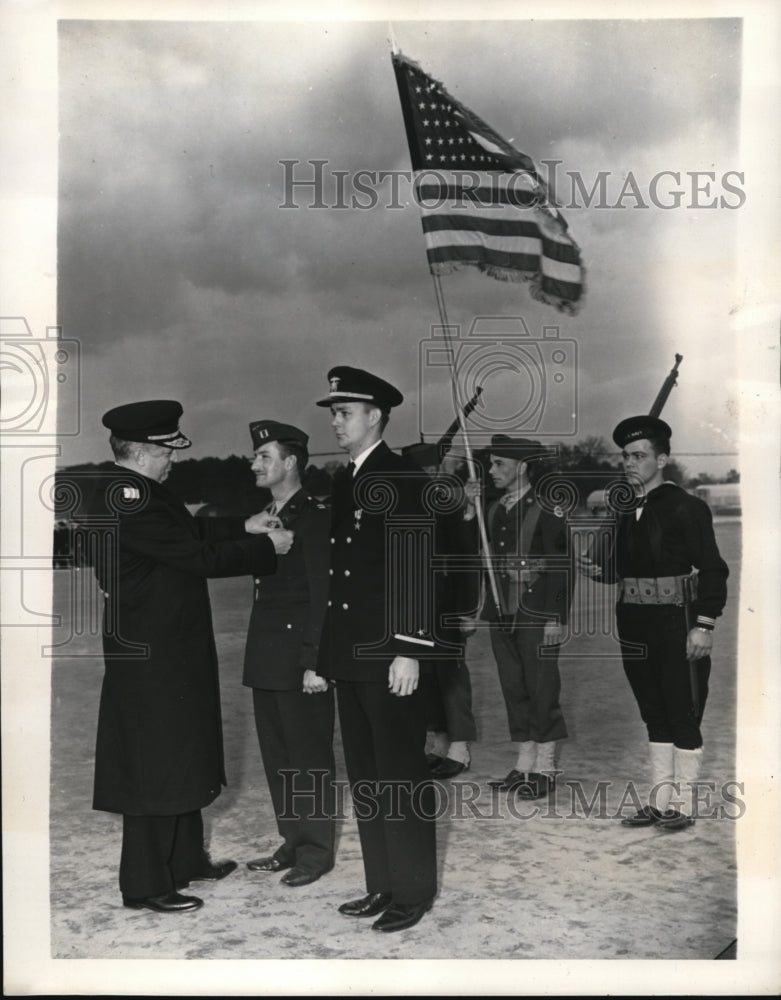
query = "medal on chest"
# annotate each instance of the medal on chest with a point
(357, 515)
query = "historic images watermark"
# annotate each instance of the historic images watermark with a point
(315, 183)
(41, 402)
(469, 800)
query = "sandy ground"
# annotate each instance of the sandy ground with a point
(557, 880)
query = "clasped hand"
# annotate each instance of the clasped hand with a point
(269, 524)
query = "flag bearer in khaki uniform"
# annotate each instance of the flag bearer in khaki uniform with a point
(529, 546)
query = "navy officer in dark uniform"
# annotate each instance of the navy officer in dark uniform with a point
(294, 705)
(377, 628)
(666, 641)
(159, 753)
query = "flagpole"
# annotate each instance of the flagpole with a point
(392, 40)
(467, 446)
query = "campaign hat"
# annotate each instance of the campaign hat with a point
(265, 431)
(354, 385)
(151, 421)
(520, 449)
(422, 454)
(639, 428)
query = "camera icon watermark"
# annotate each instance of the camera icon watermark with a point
(529, 382)
(32, 367)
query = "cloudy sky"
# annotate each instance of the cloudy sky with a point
(181, 275)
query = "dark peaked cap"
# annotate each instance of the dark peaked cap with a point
(637, 428)
(521, 449)
(264, 431)
(153, 421)
(353, 385)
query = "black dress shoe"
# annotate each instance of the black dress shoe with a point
(368, 906)
(300, 876)
(647, 816)
(671, 821)
(433, 760)
(448, 768)
(169, 902)
(513, 779)
(268, 865)
(215, 872)
(399, 916)
(535, 786)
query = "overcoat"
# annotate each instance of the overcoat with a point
(288, 609)
(159, 741)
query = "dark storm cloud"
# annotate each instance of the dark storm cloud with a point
(178, 265)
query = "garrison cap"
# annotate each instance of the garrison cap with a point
(264, 431)
(637, 428)
(520, 449)
(353, 385)
(153, 421)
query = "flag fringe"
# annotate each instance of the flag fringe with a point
(534, 281)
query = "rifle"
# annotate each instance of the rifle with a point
(667, 388)
(445, 442)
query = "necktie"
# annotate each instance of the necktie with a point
(351, 469)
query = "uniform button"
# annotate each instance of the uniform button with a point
(345, 606)
(523, 562)
(329, 604)
(331, 572)
(333, 540)
(501, 545)
(257, 579)
(289, 625)
(347, 572)
(106, 593)
(348, 540)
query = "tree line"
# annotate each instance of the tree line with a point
(227, 485)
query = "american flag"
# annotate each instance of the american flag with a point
(483, 202)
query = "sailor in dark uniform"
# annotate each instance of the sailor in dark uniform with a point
(666, 639)
(159, 754)
(377, 628)
(294, 706)
(529, 549)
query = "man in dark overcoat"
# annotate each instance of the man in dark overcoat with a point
(377, 627)
(529, 549)
(159, 754)
(293, 704)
